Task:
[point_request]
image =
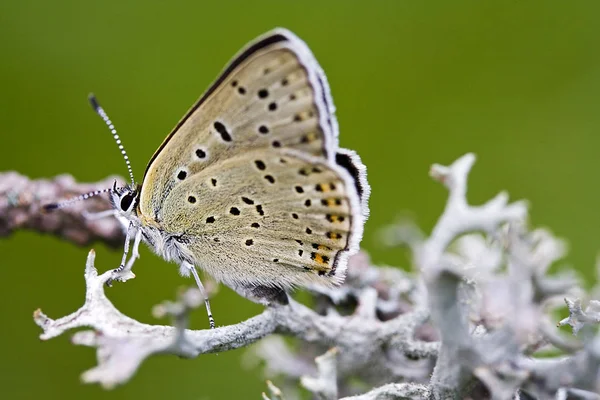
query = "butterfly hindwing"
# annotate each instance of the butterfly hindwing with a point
(280, 211)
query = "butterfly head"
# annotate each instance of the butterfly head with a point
(125, 199)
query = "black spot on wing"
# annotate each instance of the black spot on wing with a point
(219, 127)
(200, 153)
(270, 178)
(260, 165)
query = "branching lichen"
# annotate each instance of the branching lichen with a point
(468, 323)
(22, 201)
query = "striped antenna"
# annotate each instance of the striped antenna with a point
(66, 203)
(100, 111)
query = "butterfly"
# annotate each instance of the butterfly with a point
(251, 186)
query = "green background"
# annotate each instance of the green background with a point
(415, 82)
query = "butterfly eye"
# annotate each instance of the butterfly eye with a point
(126, 202)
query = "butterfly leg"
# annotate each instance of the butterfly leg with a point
(130, 233)
(135, 254)
(192, 269)
(98, 215)
(118, 273)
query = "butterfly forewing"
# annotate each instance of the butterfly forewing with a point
(269, 97)
(249, 179)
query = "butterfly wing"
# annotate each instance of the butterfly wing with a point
(260, 148)
(272, 94)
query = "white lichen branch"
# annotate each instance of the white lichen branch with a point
(459, 217)
(467, 325)
(123, 343)
(578, 318)
(408, 391)
(324, 385)
(443, 277)
(274, 392)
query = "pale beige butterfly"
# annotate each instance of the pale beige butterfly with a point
(251, 186)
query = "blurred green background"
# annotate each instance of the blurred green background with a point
(516, 82)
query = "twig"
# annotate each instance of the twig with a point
(443, 278)
(22, 199)
(578, 318)
(124, 343)
(488, 295)
(324, 386)
(408, 391)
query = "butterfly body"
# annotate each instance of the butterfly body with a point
(251, 186)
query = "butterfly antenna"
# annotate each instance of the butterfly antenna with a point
(100, 111)
(66, 203)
